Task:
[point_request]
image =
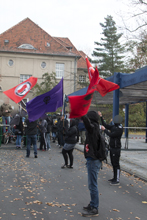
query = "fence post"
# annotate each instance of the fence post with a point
(126, 119)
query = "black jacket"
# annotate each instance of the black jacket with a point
(92, 137)
(31, 128)
(115, 133)
(60, 126)
(71, 134)
(20, 126)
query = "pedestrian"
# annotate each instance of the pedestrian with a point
(43, 129)
(82, 131)
(6, 110)
(54, 130)
(31, 136)
(71, 138)
(115, 132)
(62, 126)
(19, 132)
(91, 122)
(47, 135)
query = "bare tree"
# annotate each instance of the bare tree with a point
(138, 15)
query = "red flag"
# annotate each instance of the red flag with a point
(94, 80)
(18, 92)
(90, 69)
(79, 105)
(103, 86)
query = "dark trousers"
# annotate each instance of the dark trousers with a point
(115, 157)
(67, 153)
(42, 141)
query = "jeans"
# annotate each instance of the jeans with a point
(48, 140)
(54, 135)
(4, 118)
(31, 139)
(93, 167)
(83, 136)
(18, 140)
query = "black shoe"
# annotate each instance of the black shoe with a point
(27, 156)
(71, 167)
(91, 213)
(114, 183)
(87, 207)
(111, 180)
(35, 156)
(64, 166)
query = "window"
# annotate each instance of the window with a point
(59, 70)
(43, 65)
(82, 78)
(27, 46)
(11, 62)
(24, 77)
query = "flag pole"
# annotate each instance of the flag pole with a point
(22, 107)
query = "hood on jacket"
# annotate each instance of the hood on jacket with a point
(93, 116)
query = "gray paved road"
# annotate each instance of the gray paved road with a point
(39, 189)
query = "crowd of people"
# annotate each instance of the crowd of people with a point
(65, 132)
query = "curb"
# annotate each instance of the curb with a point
(126, 165)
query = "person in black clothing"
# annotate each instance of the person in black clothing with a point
(47, 135)
(115, 133)
(63, 123)
(31, 135)
(71, 138)
(43, 129)
(54, 131)
(91, 122)
(19, 132)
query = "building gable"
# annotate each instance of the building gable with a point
(28, 37)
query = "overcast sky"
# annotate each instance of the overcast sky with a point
(78, 20)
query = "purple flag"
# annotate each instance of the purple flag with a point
(47, 102)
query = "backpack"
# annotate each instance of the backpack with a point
(102, 150)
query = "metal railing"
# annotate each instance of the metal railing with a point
(127, 137)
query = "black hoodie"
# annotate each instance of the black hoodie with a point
(72, 133)
(115, 133)
(92, 134)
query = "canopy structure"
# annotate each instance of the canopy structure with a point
(133, 89)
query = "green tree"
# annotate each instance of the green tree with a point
(109, 52)
(137, 115)
(48, 82)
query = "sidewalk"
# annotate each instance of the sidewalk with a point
(134, 159)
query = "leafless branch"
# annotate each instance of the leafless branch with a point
(137, 28)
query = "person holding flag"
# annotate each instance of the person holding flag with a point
(6, 110)
(91, 122)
